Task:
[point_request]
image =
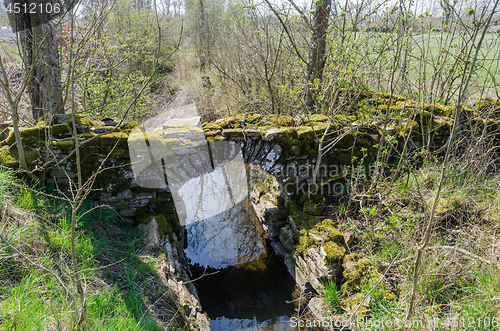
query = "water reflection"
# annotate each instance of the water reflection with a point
(228, 239)
(204, 179)
(280, 323)
(251, 288)
(213, 193)
(247, 286)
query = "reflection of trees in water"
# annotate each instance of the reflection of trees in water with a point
(233, 237)
(214, 192)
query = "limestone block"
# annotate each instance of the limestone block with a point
(314, 267)
(318, 308)
(152, 238)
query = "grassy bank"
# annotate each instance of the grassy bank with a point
(123, 284)
(459, 284)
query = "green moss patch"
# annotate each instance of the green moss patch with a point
(128, 127)
(6, 159)
(276, 121)
(79, 120)
(358, 274)
(317, 198)
(30, 136)
(227, 123)
(326, 233)
(109, 140)
(311, 208)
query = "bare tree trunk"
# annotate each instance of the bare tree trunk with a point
(447, 8)
(41, 55)
(316, 60)
(203, 40)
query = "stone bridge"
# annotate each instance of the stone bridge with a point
(138, 170)
(284, 147)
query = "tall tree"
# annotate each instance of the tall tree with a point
(316, 60)
(39, 43)
(203, 42)
(448, 6)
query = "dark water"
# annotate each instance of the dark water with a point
(244, 285)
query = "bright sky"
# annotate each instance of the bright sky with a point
(418, 6)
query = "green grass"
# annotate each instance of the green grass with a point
(122, 285)
(331, 296)
(451, 284)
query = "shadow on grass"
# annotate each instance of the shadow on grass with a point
(109, 252)
(135, 277)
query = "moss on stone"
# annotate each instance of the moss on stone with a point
(319, 118)
(358, 272)
(128, 127)
(328, 226)
(306, 220)
(317, 198)
(30, 136)
(311, 208)
(269, 197)
(352, 303)
(227, 123)
(153, 137)
(82, 120)
(386, 96)
(334, 252)
(211, 126)
(305, 242)
(276, 120)
(110, 140)
(214, 138)
(293, 146)
(212, 133)
(443, 206)
(487, 104)
(6, 159)
(438, 109)
(30, 154)
(66, 144)
(305, 132)
(332, 244)
(79, 120)
(252, 118)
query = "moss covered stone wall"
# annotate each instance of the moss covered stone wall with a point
(285, 147)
